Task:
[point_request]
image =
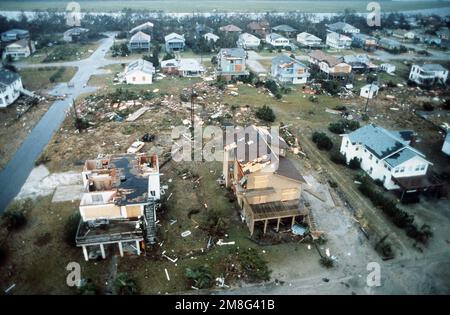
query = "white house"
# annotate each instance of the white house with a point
(174, 42)
(183, 67)
(342, 27)
(386, 155)
(140, 41)
(428, 74)
(369, 91)
(288, 70)
(308, 40)
(19, 49)
(387, 67)
(10, 87)
(338, 41)
(276, 40)
(446, 145)
(139, 72)
(211, 37)
(329, 64)
(248, 41)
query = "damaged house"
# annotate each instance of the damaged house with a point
(288, 70)
(118, 206)
(266, 183)
(139, 72)
(183, 67)
(231, 63)
(10, 87)
(428, 74)
(332, 66)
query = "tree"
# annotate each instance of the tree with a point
(168, 56)
(71, 227)
(331, 86)
(337, 127)
(200, 277)
(254, 265)
(15, 215)
(354, 163)
(265, 113)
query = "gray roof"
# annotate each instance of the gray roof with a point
(433, 67)
(400, 157)
(7, 77)
(16, 31)
(362, 36)
(379, 141)
(283, 59)
(233, 52)
(141, 65)
(284, 28)
(339, 26)
(390, 42)
(274, 36)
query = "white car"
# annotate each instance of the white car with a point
(135, 147)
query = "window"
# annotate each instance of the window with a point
(152, 192)
(134, 79)
(402, 169)
(97, 198)
(143, 78)
(365, 150)
(422, 167)
(370, 157)
(417, 168)
(396, 170)
(376, 161)
(357, 149)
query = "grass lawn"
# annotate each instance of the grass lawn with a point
(64, 52)
(39, 78)
(223, 5)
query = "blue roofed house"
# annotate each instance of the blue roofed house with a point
(388, 156)
(14, 34)
(174, 42)
(288, 70)
(231, 62)
(364, 41)
(284, 29)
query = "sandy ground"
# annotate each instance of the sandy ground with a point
(66, 186)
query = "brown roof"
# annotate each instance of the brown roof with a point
(277, 209)
(321, 56)
(415, 182)
(287, 169)
(258, 25)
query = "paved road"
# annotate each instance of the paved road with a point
(15, 173)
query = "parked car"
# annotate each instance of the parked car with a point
(135, 147)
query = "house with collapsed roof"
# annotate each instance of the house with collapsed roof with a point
(287, 70)
(183, 67)
(388, 156)
(139, 41)
(342, 28)
(211, 37)
(75, 34)
(338, 41)
(174, 42)
(369, 91)
(139, 72)
(360, 63)
(329, 64)
(10, 87)
(19, 49)
(403, 34)
(267, 185)
(308, 40)
(118, 206)
(248, 41)
(428, 74)
(231, 62)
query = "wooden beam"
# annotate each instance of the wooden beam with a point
(102, 249)
(85, 252)
(293, 221)
(138, 248)
(120, 249)
(278, 224)
(265, 226)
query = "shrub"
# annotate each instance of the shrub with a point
(365, 117)
(254, 265)
(354, 163)
(322, 141)
(331, 87)
(352, 125)
(124, 285)
(265, 113)
(71, 227)
(88, 288)
(15, 215)
(326, 262)
(338, 158)
(428, 107)
(337, 127)
(200, 277)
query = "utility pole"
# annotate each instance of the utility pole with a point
(368, 96)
